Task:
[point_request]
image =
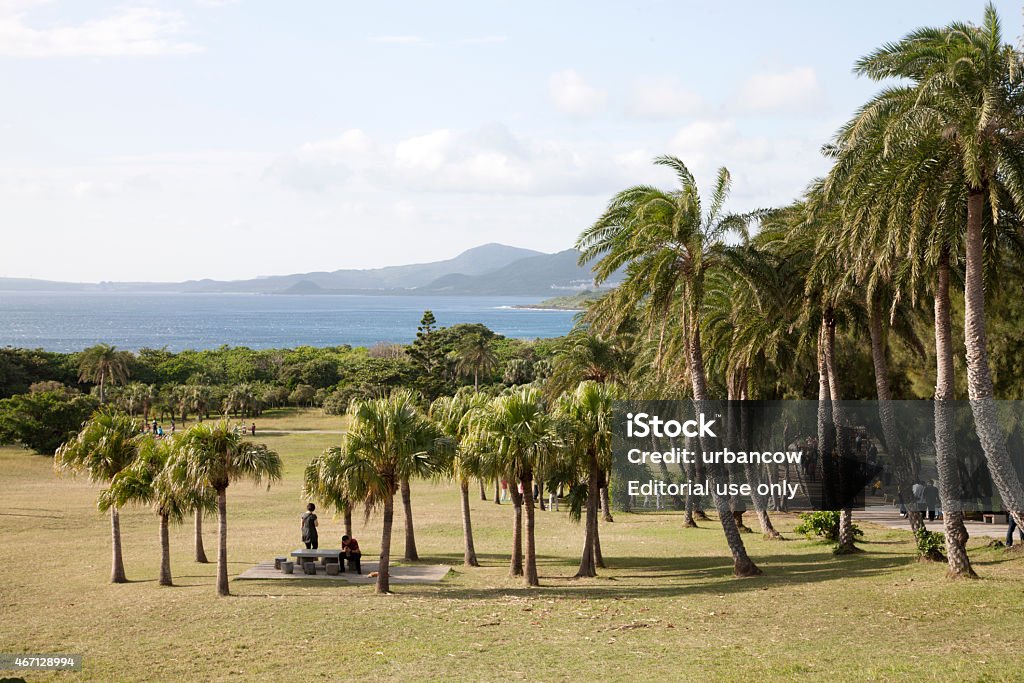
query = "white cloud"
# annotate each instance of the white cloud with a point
(216, 3)
(766, 171)
(129, 31)
(663, 98)
(488, 160)
(571, 94)
(781, 91)
(351, 142)
(424, 152)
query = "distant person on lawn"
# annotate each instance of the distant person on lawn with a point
(1011, 528)
(253, 429)
(309, 533)
(350, 552)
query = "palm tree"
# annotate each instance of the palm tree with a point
(667, 244)
(475, 356)
(388, 440)
(453, 417)
(966, 88)
(105, 446)
(103, 364)
(146, 480)
(586, 418)
(213, 456)
(516, 436)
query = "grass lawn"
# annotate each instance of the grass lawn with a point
(666, 609)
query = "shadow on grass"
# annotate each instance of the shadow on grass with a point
(695, 575)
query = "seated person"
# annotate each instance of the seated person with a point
(350, 551)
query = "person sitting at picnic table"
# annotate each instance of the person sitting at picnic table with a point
(350, 551)
(309, 523)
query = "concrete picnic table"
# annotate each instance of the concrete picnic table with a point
(323, 554)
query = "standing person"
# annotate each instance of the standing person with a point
(1010, 529)
(917, 491)
(154, 425)
(350, 551)
(309, 533)
(931, 499)
(253, 429)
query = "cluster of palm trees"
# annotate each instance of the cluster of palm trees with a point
(926, 191)
(188, 472)
(521, 437)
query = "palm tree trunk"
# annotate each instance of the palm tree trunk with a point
(598, 557)
(979, 378)
(222, 542)
(587, 568)
(824, 419)
(410, 534)
(846, 536)
(606, 504)
(530, 571)
(945, 451)
(690, 471)
(200, 550)
(165, 552)
(347, 515)
(469, 558)
(742, 564)
(497, 491)
(117, 562)
(483, 490)
(384, 566)
(516, 563)
(901, 467)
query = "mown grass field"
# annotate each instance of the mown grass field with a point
(666, 609)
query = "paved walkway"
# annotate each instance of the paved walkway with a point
(889, 515)
(420, 573)
(275, 432)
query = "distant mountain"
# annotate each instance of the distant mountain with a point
(491, 269)
(541, 275)
(473, 261)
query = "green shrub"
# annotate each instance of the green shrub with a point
(824, 523)
(929, 543)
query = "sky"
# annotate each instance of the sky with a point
(165, 141)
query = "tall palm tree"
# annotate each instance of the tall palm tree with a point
(475, 356)
(213, 456)
(104, 447)
(667, 244)
(586, 419)
(388, 440)
(103, 364)
(966, 88)
(146, 480)
(516, 435)
(904, 207)
(453, 417)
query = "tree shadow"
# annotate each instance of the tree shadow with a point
(700, 576)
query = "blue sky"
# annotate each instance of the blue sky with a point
(156, 140)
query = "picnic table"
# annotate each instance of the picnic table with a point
(312, 555)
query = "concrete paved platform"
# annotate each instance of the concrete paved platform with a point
(420, 573)
(889, 515)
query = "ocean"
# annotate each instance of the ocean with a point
(71, 321)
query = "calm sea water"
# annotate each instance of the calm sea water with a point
(73, 321)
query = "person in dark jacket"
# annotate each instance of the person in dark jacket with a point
(309, 533)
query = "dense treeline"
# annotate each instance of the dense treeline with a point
(47, 395)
